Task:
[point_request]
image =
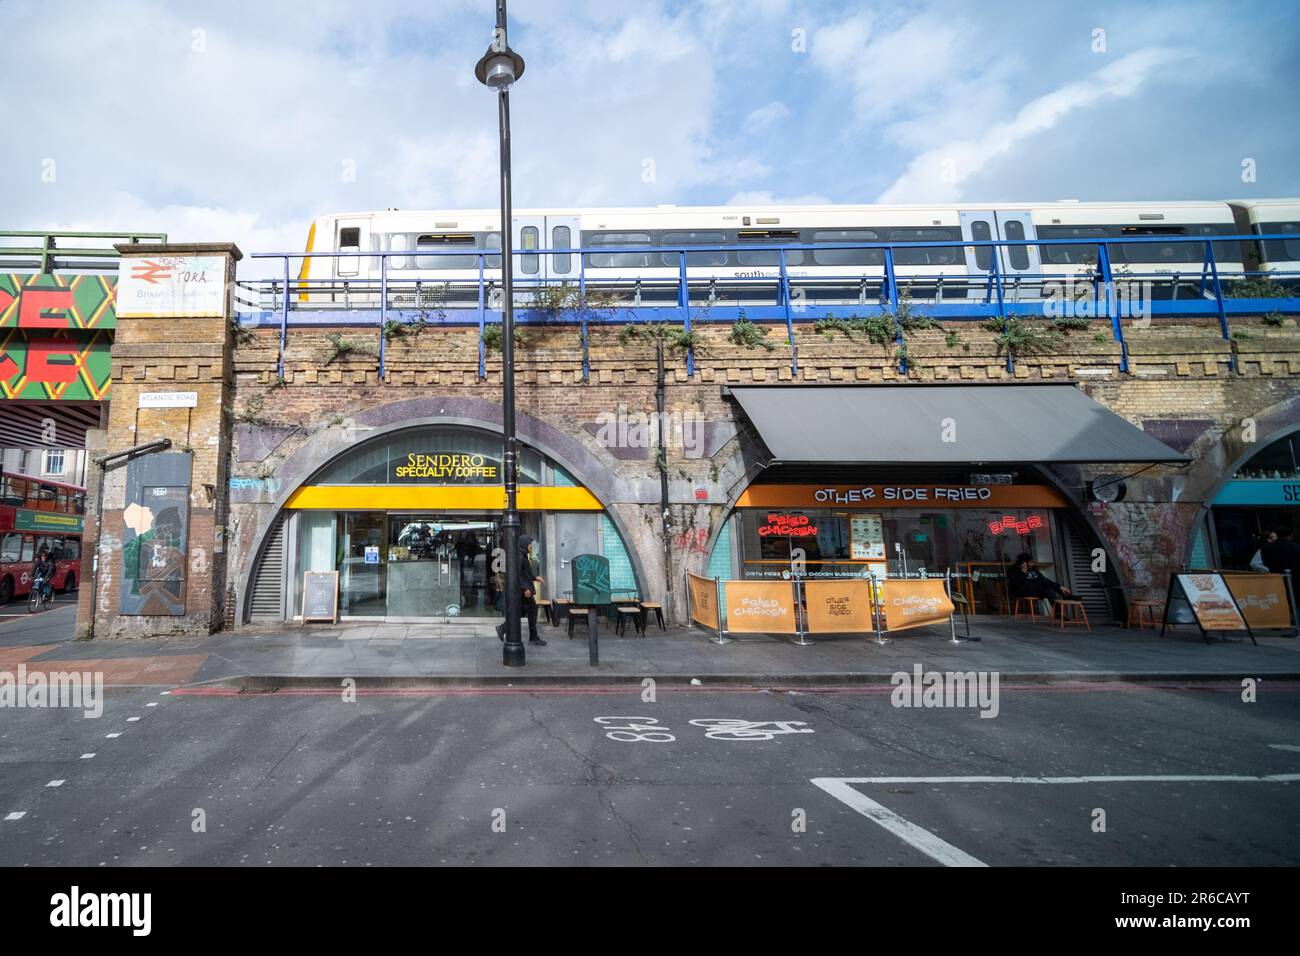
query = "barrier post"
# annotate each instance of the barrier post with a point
(1290, 596)
(876, 615)
(796, 586)
(952, 616)
(722, 631)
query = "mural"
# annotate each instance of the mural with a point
(56, 333)
(155, 538)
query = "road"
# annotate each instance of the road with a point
(486, 777)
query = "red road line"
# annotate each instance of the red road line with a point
(579, 691)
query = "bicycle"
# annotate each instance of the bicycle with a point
(39, 599)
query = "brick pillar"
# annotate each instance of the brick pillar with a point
(161, 552)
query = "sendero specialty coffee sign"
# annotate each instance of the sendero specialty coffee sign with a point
(447, 467)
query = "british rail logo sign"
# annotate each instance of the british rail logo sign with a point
(171, 287)
(56, 333)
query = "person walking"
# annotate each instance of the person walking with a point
(528, 599)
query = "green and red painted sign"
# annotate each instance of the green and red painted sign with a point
(27, 520)
(56, 335)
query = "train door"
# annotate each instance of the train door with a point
(529, 237)
(562, 233)
(987, 225)
(351, 235)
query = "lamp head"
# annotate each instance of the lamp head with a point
(498, 69)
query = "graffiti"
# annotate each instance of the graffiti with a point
(1147, 541)
(54, 338)
(693, 541)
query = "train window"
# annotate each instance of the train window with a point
(1281, 250)
(793, 257)
(673, 259)
(446, 242)
(561, 261)
(1156, 252)
(926, 257)
(11, 547)
(1071, 255)
(981, 232)
(530, 261)
(349, 241)
(491, 241)
(1018, 256)
(618, 260)
(847, 257)
(398, 242)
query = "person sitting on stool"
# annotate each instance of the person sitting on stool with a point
(1024, 580)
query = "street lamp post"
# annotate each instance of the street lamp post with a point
(498, 68)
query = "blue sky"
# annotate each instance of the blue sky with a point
(244, 120)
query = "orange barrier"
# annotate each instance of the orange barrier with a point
(1263, 599)
(704, 600)
(908, 602)
(838, 607)
(761, 607)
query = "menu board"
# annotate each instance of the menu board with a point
(866, 538)
(1211, 602)
(320, 596)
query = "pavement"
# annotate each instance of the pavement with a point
(377, 654)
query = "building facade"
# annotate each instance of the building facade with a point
(298, 455)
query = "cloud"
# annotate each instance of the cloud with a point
(937, 175)
(765, 117)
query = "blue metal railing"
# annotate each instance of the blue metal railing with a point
(319, 303)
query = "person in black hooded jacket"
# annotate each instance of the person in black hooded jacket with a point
(1024, 580)
(528, 598)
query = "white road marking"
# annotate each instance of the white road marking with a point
(112, 736)
(132, 719)
(164, 693)
(17, 815)
(1106, 778)
(1291, 747)
(86, 756)
(152, 703)
(907, 831)
(56, 783)
(841, 788)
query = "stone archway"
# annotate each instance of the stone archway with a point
(373, 423)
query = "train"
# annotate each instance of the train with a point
(442, 248)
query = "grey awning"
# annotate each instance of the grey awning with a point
(1038, 424)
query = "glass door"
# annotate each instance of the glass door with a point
(440, 567)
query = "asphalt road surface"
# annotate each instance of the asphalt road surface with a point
(1103, 774)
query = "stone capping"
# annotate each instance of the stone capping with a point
(178, 249)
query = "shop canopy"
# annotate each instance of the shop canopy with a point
(944, 424)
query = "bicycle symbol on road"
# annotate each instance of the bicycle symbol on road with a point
(649, 730)
(734, 728)
(645, 729)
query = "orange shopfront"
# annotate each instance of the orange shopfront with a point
(838, 530)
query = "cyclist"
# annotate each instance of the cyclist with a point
(43, 574)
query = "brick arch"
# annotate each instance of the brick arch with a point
(329, 444)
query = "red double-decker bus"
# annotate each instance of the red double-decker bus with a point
(35, 514)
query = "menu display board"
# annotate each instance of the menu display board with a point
(320, 596)
(866, 538)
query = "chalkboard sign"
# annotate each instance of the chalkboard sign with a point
(320, 596)
(590, 580)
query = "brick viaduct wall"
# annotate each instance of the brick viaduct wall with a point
(1180, 384)
(269, 434)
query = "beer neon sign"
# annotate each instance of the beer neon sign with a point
(1012, 523)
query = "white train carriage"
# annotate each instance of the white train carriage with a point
(438, 252)
(1270, 217)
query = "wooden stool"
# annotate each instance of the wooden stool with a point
(1077, 616)
(629, 612)
(1032, 602)
(559, 606)
(1142, 612)
(657, 608)
(578, 614)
